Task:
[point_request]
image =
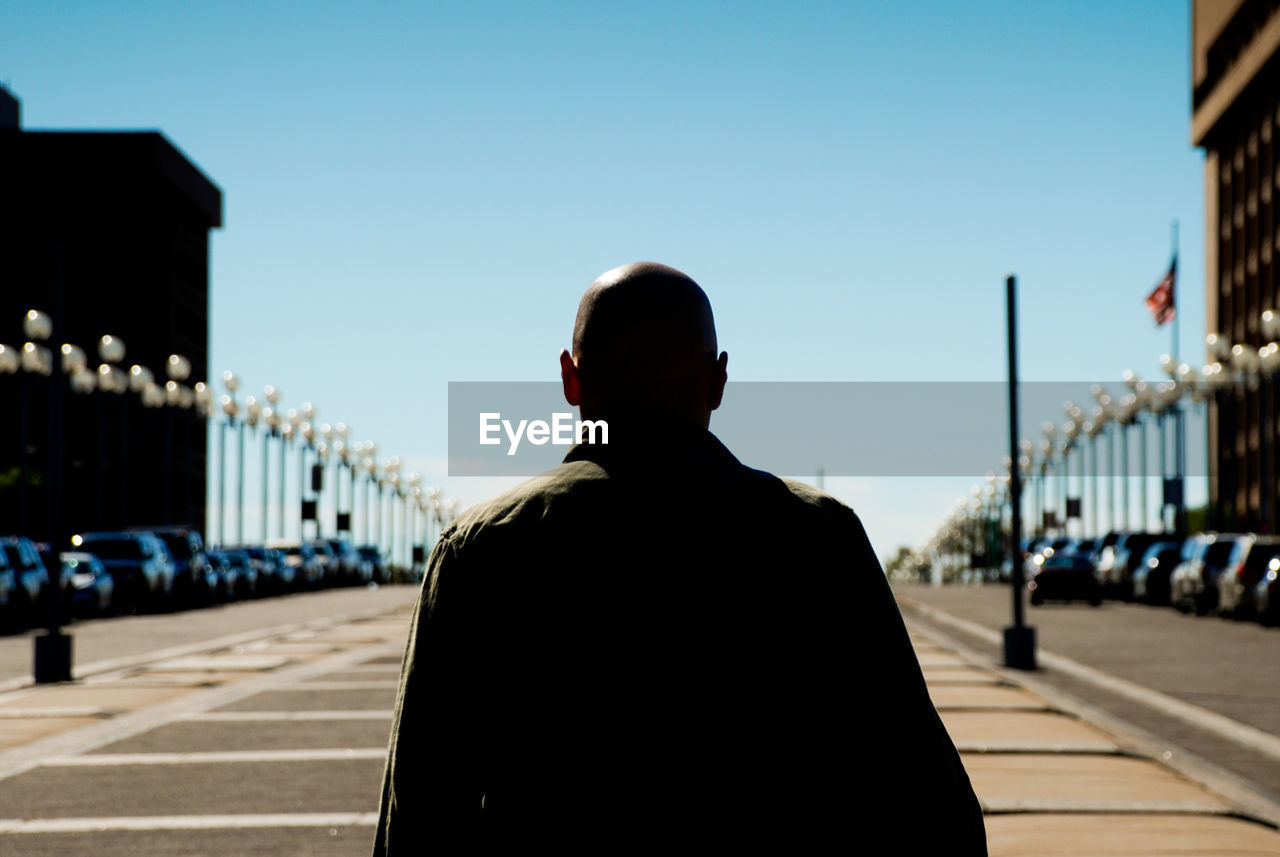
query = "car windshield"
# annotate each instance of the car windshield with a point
(116, 548)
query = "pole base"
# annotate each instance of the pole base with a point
(1020, 647)
(53, 658)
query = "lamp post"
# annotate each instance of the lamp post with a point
(1049, 447)
(231, 408)
(1138, 390)
(202, 397)
(52, 655)
(273, 421)
(391, 467)
(271, 427)
(413, 493)
(307, 431)
(342, 457)
(370, 464)
(1104, 415)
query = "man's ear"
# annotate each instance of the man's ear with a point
(569, 378)
(719, 377)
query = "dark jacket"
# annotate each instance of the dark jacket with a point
(654, 645)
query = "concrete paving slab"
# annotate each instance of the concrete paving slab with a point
(105, 697)
(292, 647)
(14, 733)
(960, 675)
(197, 736)
(1050, 835)
(379, 672)
(1086, 783)
(984, 696)
(309, 700)
(1025, 731)
(935, 660)
(326, 841)
(349, 785)
(222, 662)
(366, 632)
(165, 678)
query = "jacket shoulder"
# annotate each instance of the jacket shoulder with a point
(530, 501)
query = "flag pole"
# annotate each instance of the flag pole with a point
(1173, 294)
(1179, 451)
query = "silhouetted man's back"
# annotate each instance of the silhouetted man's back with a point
(654, 644)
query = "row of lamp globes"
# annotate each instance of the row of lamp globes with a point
(332, 442)
(37, 359)
(1231, 363)
(1059, 441)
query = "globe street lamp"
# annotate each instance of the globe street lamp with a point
(1104, 415)
(370, 464)
(231, 408)
(307, 432)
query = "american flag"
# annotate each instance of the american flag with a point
(1160, 301)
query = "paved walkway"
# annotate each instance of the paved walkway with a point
(268, 746)
(275, 746)
(1057, 778)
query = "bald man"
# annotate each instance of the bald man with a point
(654, 646)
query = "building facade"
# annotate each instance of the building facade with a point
(108, 233)
(1236, 120)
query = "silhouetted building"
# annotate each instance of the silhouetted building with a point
(1236, 119)
(114, 227)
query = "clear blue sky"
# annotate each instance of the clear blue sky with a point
(419, 192)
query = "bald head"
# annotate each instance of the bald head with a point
(644, 340)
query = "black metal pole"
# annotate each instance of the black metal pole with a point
(52, 653)
(240, 488)
(1164, 472)
(1019, 639)
(1180, 514)
(266, 503)
(284, 447)
(222, 483)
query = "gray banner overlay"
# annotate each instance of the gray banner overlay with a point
(838, 428)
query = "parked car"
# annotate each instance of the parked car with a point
(308, 573)
(1064, 576)
(275, 576)
(1266, 595)
(92, 586)
(1151, 575)
(377, 564)
(139, 563)
(352, 568)
(330, 564)
(241, 574)
(1194, 583)
(13, 617)
(32, 585)
(1246, 566)
(1129, 550)
(191, 581)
